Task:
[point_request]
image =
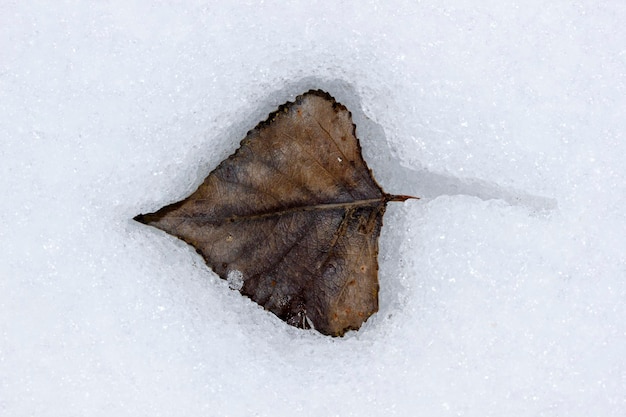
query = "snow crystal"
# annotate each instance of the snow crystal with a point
(235, 280)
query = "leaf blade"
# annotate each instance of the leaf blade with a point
(297, 212)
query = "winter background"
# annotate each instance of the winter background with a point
(502, 290)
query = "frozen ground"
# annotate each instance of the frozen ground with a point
(502, 291)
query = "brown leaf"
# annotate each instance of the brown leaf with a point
(292, 218)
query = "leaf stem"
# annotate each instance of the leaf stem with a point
(399, 198)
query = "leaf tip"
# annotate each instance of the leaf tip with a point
(142, 218)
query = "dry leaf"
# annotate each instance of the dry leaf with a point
(292, 218)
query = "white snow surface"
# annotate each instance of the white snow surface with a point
(503, 290)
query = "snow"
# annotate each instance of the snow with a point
(502, 290)
(235, 280)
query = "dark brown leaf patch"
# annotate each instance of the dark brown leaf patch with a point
(292, 218)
